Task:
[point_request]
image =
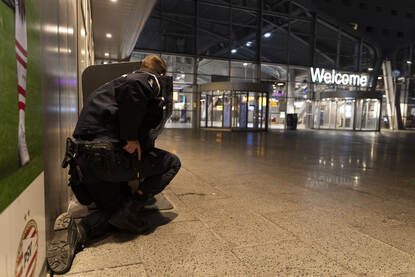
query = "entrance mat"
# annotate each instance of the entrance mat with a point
(158, 203)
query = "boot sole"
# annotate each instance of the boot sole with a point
(62, 248)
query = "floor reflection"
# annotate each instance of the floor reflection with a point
(310, 158)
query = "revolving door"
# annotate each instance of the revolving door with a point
(234, 106)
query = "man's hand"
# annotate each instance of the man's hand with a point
(132, 146)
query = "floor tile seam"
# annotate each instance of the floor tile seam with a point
(104, 268)
(334, 199)
(191, 211)
(394, 226)
(270, 242)
(184, 221)
(404, 273)
(330, 256)
(346, 227)
(209, 229)
(313, 244)
(248, 266)
(204, 181)
(368, 194)
(187, 208)
(375, 211)
(385, 243)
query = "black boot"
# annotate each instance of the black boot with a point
(69, 238)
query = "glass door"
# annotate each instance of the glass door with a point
(252, 110)
(233, 109)
(227, 104)
(359, 114)
(217, 114)
(209, 105)
(262, 110)
(333, 113)
(345, 109)
(325, 114)
(243, 111)
(370, 118)
(203, 109)
(367, 114)
(236, 110)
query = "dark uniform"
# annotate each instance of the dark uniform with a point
(132, 107)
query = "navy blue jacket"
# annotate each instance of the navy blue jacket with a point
(123, 109)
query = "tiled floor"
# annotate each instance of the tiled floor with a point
(305, 203)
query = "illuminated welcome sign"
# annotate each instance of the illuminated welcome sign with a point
(332, 77)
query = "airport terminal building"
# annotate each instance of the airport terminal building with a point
(328, 73)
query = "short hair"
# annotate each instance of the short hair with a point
(153, 64)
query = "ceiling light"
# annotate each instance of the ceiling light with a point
(370, 69)
(107, 54)
(108, 35)
(267, 35)
(249, 43)
(409, 62)
(280, 84)
(113, 1)
(105, 62)
(233, 51)
(380, 78)
(245, 64)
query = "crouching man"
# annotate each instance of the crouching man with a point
(114, 144)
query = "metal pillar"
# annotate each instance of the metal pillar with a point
(291, 91)
(390, 90)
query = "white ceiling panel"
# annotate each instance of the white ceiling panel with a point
(124, 20)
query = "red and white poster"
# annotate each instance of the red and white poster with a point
(22, 199)
(21, 59)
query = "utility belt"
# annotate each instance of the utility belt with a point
(102, 153)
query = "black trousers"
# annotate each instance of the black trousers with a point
(109, 188)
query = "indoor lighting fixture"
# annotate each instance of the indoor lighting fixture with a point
(409, 62)
(249, 43)
(380, 78)
(233, 51)
(108, 35)
(106, 54)
(245, 64)
(113, 1)
(370, 69)
(267, 35)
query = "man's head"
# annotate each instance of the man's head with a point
(154, 64)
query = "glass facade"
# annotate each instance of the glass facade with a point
(293, 91)
(210, 41)
(405, 84)
(265, 31)
(237, 108)
(348, 114)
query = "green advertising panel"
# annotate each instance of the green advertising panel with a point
(20, 98)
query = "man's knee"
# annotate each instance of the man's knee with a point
(175, 162)
(172, 162)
